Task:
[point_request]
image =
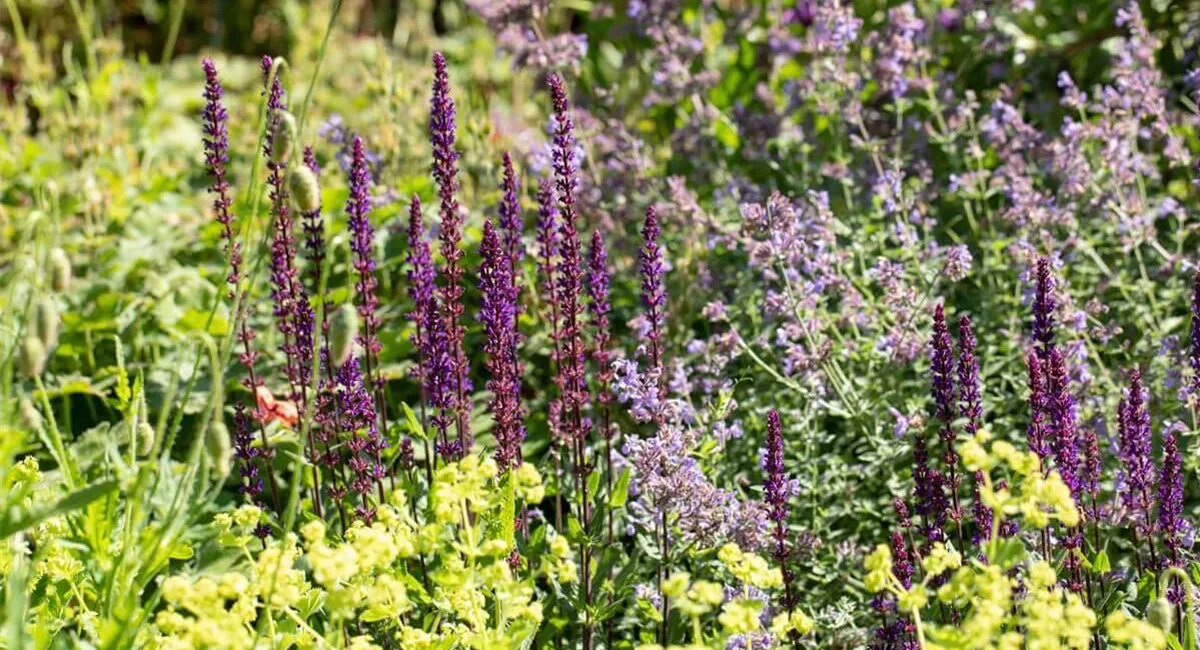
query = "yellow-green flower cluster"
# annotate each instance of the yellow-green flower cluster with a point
(1036, 496)
(444, 583)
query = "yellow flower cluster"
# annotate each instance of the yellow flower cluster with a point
(442, 584)
(1037, 496)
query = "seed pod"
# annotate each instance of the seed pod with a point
(145, 438)
(60, 270)
(32, 356)
(45, 322)
(218, 450)
(343, 330)
(30, 415)
(1161, 614)
(284, 138)
(305, 188)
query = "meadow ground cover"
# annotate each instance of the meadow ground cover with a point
(532, 324)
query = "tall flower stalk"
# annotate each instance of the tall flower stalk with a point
(654, 292)
(216, 153)
(442, 128)
(510, 216)
(572, 351)
(776, 492)
(431, 371)
(941, 358)
(498, 313)
(362, 247)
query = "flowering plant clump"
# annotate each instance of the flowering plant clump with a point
(599, 325)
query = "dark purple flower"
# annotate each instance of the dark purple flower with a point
(929, 491)
(776, 489)
(498, 313)
(569, 272)
(970, 407)
(1195, 337)
(216, 156)
(941, 361)
(1038, 433)
(350, 431)
(434, 368)
(654, 292)
(1170, 503)
(362, 238)
(1063, 428)
(1135, 453)
(1044, 304)
(442, 134)
(599, 307)
(510, 215)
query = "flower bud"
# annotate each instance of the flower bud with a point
(60, 270)
(1161, 614)
(30, 416)
(45, 322)
(343, 330)
(145, 438)
(32, 356)
(284, 138)
(217, 449)
(305, 188)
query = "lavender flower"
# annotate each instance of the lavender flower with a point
(442, 127)
(216, 156)
(510, 215)
(498, 313)
(654, 293)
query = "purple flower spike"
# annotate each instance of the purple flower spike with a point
(1038, 432)
(1170, 504)
(599, 308)
(776, 492)
(442, 134)
(498, 313)
(1137, 461)
(970, 407)
(434, 365)
(941, 357)
(1044, 304)
(654, 292)
(1194, 355)
(1060, 406)
(510, 215)
(569, 272)
(362, 236)
(216, 157)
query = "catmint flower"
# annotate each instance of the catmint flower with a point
(442, 128)
(510, 215)
(216, 157)
(498, 313)
(654, 293)
(1135, 452)
(1044, 304)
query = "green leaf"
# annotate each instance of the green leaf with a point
(74, 501)
(414, 425)
(1101, 564)
(620, 493)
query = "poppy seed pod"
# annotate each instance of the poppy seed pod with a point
(1161, 614)
(60, 270)
(284, 138)
(46, 321)
(218, 450)
(30, 415)
(145, 438)
(32, 356)
(343, 330)
(305, 188)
